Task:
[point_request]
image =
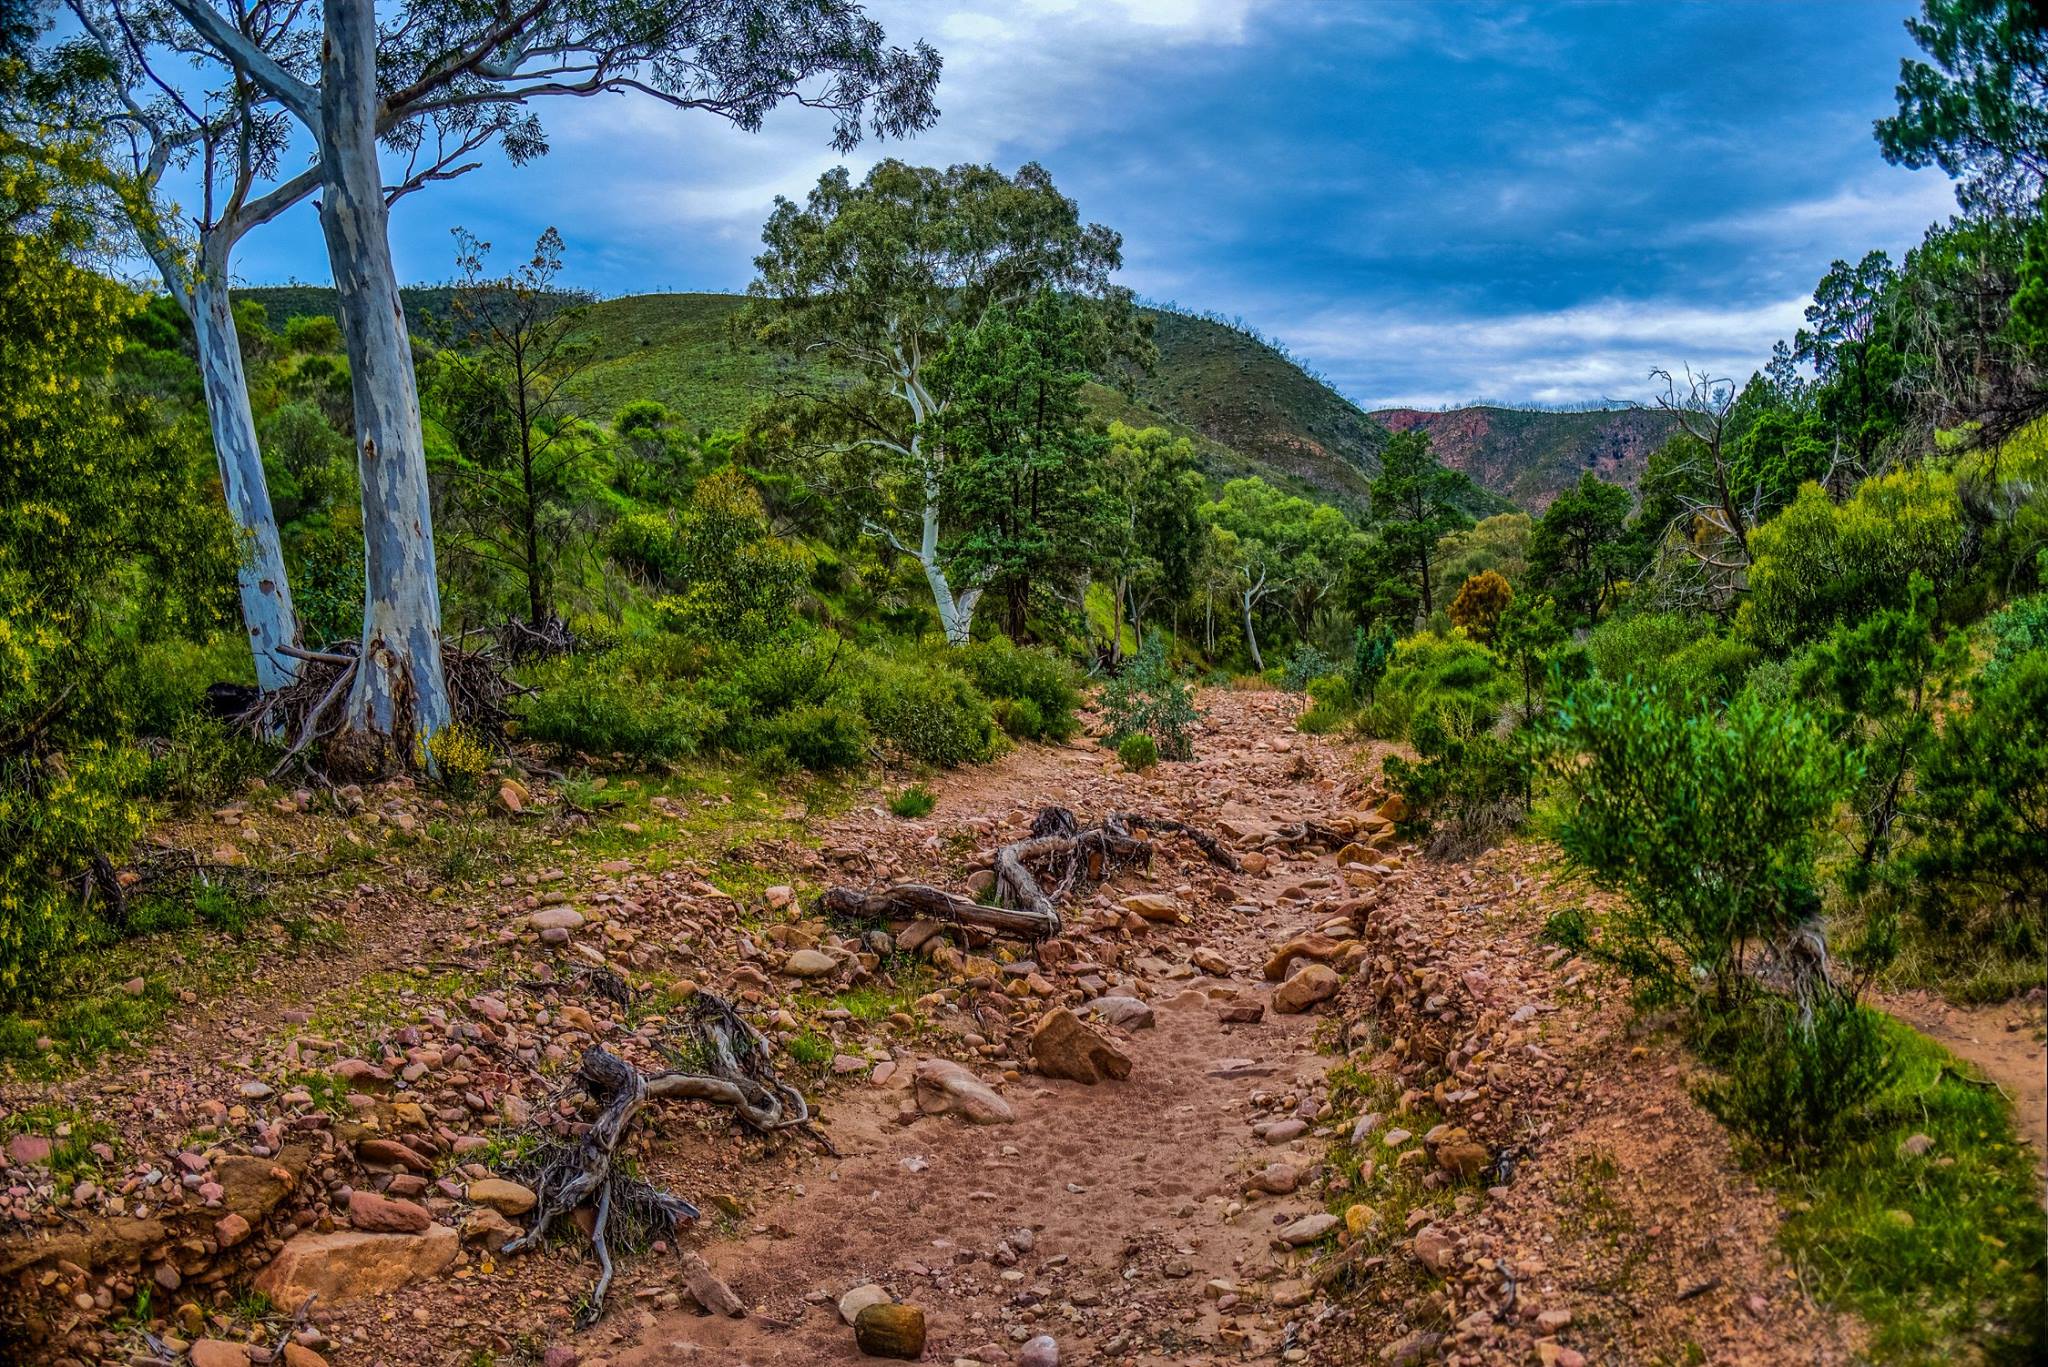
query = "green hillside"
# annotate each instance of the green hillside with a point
(1533, 456)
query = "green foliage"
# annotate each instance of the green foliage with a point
(731, 581)
(1468, 785)
(55, 816)
(624, 701)
(1981, 810)
(2017, 630)
(821, 737)
(1479, 603)
(1708, 825)
(1795, 1083)
(1137, 752)
(1974, 109)
(1577, 552)
(1304, 666)
(1036, 693)
(1149, 699)
(1442, 675)
(929, 711)
(1416, 501)
(203, 762)
(1689, 657)
(913, 802)
(1372, 652)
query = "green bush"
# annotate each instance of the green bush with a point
(1687, 656)
(628, 701)
(1468, 786)
(1137, 752)
(1148, 698)
(1306, 664)
(821, 737)
(1035, 692)
(56, 815)
(1797, 1083)
(2019, 629)
(1441, 674)
(1707, 824)
(1321, 720)
(203, 762)
(929, 711)
(913, 802)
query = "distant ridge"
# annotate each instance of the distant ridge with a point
(1532, 455)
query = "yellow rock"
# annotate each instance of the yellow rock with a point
(1359, 1219)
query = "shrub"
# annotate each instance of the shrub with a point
(1796, 1082)
(1149, 698)
(1707, 824)
(913, 802)
(203, 762)
(1469, 787)
(459, 758)
(626, 701)
(2020, 628)
(1435, 673)
(56, 815)
(1137, 752)
(1688, 656)
(1306, 664)
(929, 711)
(1036, 693)
(821, 737)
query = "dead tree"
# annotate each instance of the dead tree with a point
(1032, 875)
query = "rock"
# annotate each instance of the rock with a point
(810, 963)
(384, 1215)
(1316, 948)
(1359, 1220)
(299, 1355)
(1154, 906)
(1550, 1321)
(560, 1355)
(943, 1087)
(981, 882)
(780, 896)
(556, 918)
(1289, 1294)
(1435, 1250)
(28, 1150)
(348, 1265)
(1210, 962)
(485, 1226)
(1395, 809)
(509, 799)
(709, 1290)
(1242, 1011)
(1063, 1047)
(1416, 1348)
(1276, 1179)
(1307, 1229)
(859, 1299)
(1313, 984)
(890, 1331)
(230, 1229)
(1552, 1354)
(1916, 1144)
(1285, 1131)
(393, 1154)
(1128, 1012)
(507, 1198)
(1459, 1155)
(1043, 1351)
(219, 1353)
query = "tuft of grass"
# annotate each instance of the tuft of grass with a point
(1941, 1254)
(71, 1133)
(913, 802)
(811, 1049)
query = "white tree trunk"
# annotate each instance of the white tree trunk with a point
(1251, 637)
(266, 594)
(399, 684)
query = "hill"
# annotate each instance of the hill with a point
(1531, 456)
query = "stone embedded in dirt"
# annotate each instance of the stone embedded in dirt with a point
(1210, 962)
(1252, 862)
(1289, 1294)
(1458, 1154)
(507, 1198)
(230, 1229)
(709, 1290)
(1916, 1144)
(383, 1215)
(28, 1150)
(1435, 1249)
(1313, 984)
(349, 1265)
(1063, 1047)
(1128, 1012)
(1550, 1321)
(219, 1353)
(392, 1153)
(1043, 1351)
(1411, 1350)
(780, 896)
(1395, 809)
(981, 882)
(890, 1331)
(1307, 1229)
(943, 1087)
(810, 963)
(1242, 1011)
(299, 1355)
(1359, 1219)
(556, 918)
(1276, 1179)
(860, 1298)
(1315, 947)
(1283, 1131)
(1154, 906)
(1549, 1354)
(487, 1227)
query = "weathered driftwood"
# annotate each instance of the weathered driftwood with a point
(566, 1176)
(1032, 875)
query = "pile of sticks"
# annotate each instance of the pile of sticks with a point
(1032, 875)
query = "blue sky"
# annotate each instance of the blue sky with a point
(1429, 203)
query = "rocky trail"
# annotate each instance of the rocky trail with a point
(1344, 1107)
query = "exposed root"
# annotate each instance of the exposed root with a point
(1032, 875)
(737, 1075)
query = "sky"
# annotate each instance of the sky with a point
(1430, 204)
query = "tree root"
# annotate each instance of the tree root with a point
(737, 1076)
(1032, 875)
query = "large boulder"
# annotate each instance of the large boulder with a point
(943, 1087)
(1063, 1047)
(890, 1331)
(349, 1265)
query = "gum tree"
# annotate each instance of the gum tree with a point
(876, 278)
(469, 72)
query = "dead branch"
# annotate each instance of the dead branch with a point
(1032, 875)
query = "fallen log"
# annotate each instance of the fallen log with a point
(1031, 875)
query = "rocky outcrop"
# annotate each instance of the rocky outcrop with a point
(348, 1265)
